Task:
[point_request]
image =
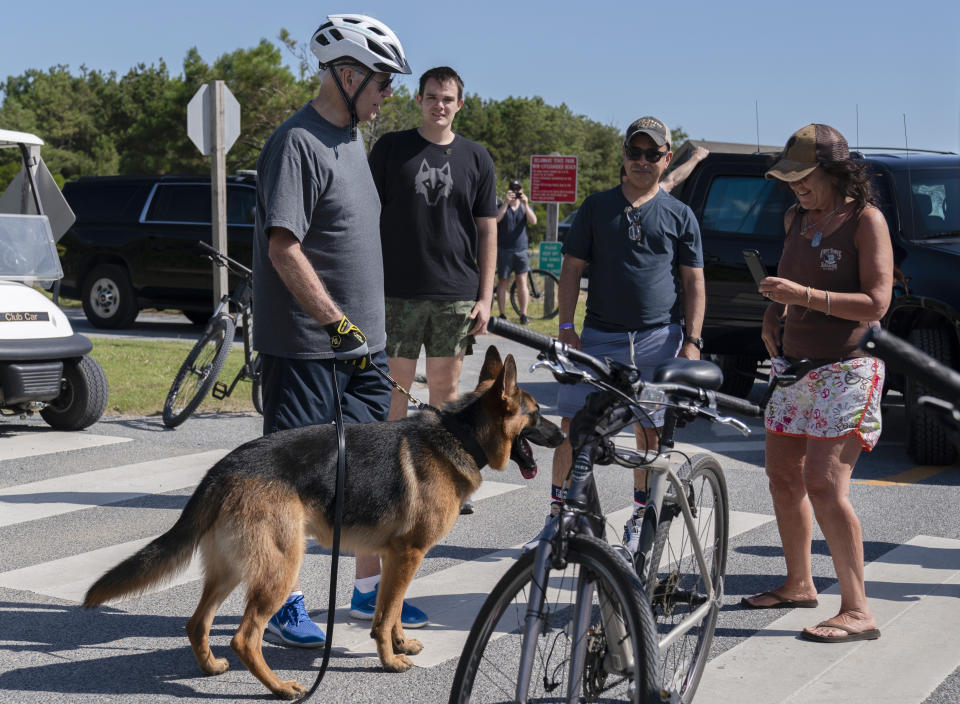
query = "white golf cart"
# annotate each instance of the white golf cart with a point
(43, 364)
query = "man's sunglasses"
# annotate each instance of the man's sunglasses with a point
(651, 155)
(383, 85)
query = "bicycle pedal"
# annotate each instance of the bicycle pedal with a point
(219, 391)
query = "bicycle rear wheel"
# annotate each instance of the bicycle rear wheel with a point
(543, 304)
(488, 667)
(199, 371)
(676, 586)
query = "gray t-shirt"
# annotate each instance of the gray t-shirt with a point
(634, 284)
(315, 182)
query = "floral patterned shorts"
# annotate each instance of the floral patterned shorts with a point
(832, 401)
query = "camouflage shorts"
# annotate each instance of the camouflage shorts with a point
(439, 326)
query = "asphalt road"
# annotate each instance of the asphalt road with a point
(71, 503)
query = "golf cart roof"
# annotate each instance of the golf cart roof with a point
(9, 138)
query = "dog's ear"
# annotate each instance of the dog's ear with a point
(491, 365)
(507, 381)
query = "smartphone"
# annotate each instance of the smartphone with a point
(755, 265)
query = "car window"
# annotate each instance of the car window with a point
(746, 204)
(241, 204)
(935, 194)
(102, 202)
(180, 202)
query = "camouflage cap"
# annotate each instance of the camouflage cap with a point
(806, 149)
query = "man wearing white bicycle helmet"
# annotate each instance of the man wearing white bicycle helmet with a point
(317, 261)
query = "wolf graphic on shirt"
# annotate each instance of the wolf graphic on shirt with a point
(434, 183)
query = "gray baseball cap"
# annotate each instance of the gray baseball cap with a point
(650, 126)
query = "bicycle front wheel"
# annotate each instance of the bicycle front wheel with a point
(544, 289)
(199, 371)
(676, 586)
(620, 651)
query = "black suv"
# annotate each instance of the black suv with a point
(919, 193)
(133, 245)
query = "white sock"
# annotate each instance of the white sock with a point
(365, 585)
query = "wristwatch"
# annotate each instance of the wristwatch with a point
(697, 342)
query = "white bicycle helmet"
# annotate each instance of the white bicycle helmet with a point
(362, 38)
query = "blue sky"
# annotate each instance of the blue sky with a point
(707, 66)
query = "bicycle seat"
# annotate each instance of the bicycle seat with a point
(693, 372)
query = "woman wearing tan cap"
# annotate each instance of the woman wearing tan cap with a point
(834, 281)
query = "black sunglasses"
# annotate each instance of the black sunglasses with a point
(382, 85)
(651, 155)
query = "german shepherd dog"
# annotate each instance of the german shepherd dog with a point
(405, 482)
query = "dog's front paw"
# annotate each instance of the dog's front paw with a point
(407, 646)
(398, 663)
(216, 666)
(289, 689)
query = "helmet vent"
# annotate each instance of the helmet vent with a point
(351, 20)
(335, 33)
(377, 49)
(322, 40)
(377, 30)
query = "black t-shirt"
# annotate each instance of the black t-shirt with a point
(430, 196)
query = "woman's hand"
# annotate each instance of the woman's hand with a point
(783, 291)
(770, 332)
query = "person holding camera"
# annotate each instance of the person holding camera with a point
(514, 215)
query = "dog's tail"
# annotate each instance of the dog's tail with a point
(164, 556)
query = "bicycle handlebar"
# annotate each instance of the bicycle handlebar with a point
(937, 377)
(223, 260)
(554, 348)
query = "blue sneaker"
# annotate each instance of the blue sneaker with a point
(291, 625)
(362, 606)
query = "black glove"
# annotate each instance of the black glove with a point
(348, 343)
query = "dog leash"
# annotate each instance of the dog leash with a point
(393, 382)
(338, 510)
(337, 522)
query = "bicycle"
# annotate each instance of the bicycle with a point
(618, 626)
(198, 375)
(929, 372)
(543, 287)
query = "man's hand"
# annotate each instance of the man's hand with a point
(480, 316)
(689, 351)
(348, 343)
(569, 337)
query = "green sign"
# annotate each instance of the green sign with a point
(550, 257)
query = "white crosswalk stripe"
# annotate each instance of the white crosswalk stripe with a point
(913, 589)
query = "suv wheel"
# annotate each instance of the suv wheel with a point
(108, 298)
(928, 442)
(739, 373)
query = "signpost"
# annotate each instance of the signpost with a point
(213, 124)
(553, 180)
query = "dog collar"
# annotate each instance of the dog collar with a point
(465, 435)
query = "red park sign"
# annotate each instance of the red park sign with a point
(553, 179)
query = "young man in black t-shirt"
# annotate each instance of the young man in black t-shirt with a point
(438, 236)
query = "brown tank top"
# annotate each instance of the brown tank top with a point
(833, 266)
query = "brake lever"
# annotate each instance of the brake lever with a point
(560, 372)
(733, 422)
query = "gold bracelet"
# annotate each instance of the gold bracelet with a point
(828, 301)
(809, 293)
